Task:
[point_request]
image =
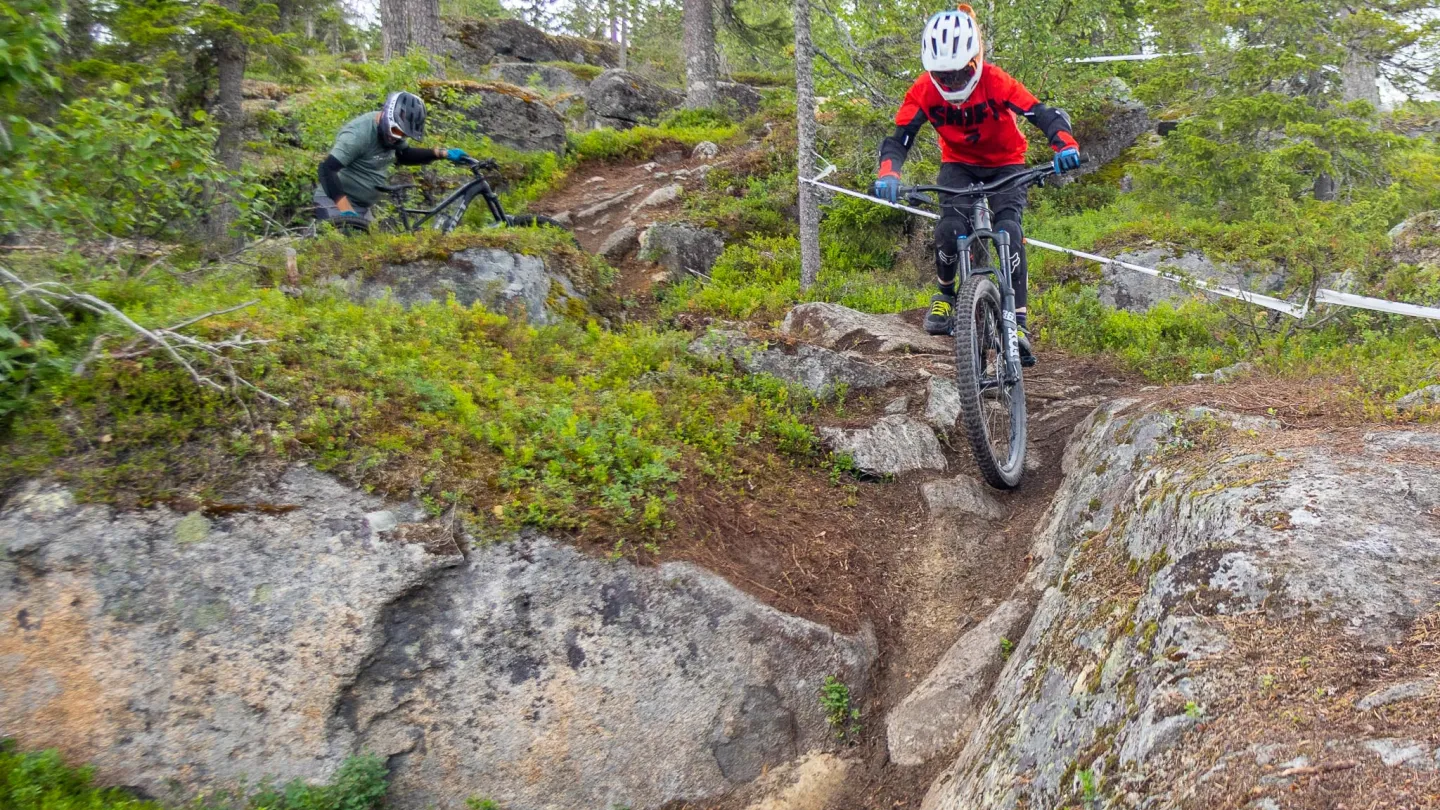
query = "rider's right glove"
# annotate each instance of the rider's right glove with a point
(455, 155)
(886, 188)
(1067, 159)
(350, 214)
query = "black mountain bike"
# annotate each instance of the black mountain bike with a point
(448, 214)
(987, 344)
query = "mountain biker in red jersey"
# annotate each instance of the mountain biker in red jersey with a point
(972, 106)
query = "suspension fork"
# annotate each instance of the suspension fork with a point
(983, 223)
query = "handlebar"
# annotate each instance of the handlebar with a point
(476, 165)
(1034, 174)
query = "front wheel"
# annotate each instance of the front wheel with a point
(992, 407)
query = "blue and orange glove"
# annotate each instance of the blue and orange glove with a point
(1067, 159)
(455, 155)
(887, 187)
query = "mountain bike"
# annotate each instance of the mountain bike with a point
(987, 344)
(448, 214)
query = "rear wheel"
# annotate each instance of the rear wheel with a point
(531, 221)
(992, 408)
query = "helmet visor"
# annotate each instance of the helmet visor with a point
(955, 80)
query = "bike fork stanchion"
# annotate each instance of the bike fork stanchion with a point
(1007, 307)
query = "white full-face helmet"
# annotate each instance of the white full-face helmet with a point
(951, 51)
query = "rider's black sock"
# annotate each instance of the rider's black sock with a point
(1020, 319)
(948, 289)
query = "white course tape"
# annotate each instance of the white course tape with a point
(916, 211)
(1132, 57)
(1293, 310)
(1377, 304)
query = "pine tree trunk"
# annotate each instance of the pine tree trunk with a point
(394, 28)
(423, 26)
(79, 30)
(230, 55)
(805, 113)
(699, 43)
(625, 35)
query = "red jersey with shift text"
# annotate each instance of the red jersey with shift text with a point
(982, 130)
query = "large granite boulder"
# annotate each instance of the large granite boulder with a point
(1228, 615)
(541, 78)
(477, 43)
(1137, 292)
(685, 250)
(508, 114)
(740, 100)
(621, 99)
(312, 622)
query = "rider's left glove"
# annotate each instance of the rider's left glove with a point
(455, 155)
(1067, 159)
(886, 188)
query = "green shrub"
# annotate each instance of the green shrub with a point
(43, 781)
(112, 164)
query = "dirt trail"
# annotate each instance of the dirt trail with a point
(609, 206)
(854, 554)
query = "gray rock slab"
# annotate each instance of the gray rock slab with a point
(511, 116)
(894, 445)
(819, 371)
(620, 242)
(160, 645)
(961, 495)
(682, 249)
(501, 281)
(705, 150)
(541, 677)
(1426, 397)
(942, 709)
(1348, 546)
(170, 648)
(661, 196)
(623, 99)
(1409, 690)
(838, 327)
(942, 402)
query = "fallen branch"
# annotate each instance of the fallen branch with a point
(183, 350)
(1324, 767)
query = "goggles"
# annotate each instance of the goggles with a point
(954, 79)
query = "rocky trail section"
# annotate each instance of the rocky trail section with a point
(200, 649)
(169, 647)
(1228, 614)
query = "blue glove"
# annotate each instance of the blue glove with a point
(455, 155)
(350, 215)
(886, 188)
(1067, 159)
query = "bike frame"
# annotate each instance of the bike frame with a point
(476, 187)
(982, 227)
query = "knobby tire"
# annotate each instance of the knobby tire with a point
(980, 347)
